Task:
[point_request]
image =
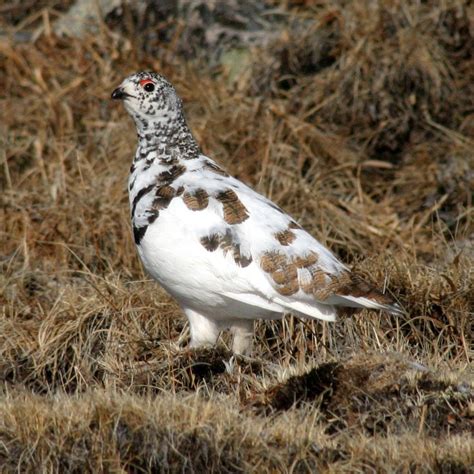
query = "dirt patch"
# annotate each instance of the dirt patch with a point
(202, 364)
(188, 369)
(378, 397)
(319, 382)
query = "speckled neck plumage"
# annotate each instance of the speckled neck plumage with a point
(170, 137)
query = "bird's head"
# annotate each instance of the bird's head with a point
(148, 97)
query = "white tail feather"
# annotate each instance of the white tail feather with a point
(362, 302)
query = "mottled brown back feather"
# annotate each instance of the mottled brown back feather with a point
(227, 244)
(285, 237)
(197, 200)
(234, 211)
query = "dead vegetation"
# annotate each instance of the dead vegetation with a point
(357, 118)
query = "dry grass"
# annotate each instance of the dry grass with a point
(362, 127)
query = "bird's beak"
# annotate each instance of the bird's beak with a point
(119, 94)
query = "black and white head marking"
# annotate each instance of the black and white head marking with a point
(157, 111)
(148, 97)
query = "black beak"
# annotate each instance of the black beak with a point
(118, 94)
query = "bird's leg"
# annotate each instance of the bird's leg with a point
(242, 329)
(204, 331)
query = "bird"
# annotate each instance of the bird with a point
(227, 254)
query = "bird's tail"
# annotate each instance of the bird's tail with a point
(360, 302)
(357, 293)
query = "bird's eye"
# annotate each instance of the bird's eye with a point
(148, 85)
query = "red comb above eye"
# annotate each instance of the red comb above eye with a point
(145, 81)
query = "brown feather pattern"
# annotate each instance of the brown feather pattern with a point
(234, 211)
(196, 200)
(226, 243)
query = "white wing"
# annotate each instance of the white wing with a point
(273, 262)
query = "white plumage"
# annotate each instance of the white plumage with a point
(227, 254)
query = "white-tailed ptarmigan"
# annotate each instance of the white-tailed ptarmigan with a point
(227, 254)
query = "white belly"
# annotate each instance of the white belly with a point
(208, 282)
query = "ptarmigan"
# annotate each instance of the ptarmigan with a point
(227, 254)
